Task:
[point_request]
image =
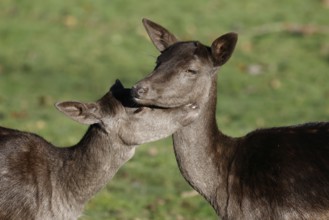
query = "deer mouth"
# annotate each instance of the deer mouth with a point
(149, 103)
(139, 96)
(146, 108)
(153, 106)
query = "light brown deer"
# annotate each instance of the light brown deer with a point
(274, 173)
(43, 182)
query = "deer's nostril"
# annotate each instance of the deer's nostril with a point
(139, 91)
(142, 90)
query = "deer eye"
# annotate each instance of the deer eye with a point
(192, 71)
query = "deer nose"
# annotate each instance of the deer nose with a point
(138, 91)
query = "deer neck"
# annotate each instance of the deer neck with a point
(202, 152)
(90, 164)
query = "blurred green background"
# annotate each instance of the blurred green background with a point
(74, 50)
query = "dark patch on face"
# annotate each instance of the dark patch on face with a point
(125, 98)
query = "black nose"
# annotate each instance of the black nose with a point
(139, 91)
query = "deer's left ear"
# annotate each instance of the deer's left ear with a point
(223, 47)
(84, 113)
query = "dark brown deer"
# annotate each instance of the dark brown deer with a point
(40, 181)
(274, 173)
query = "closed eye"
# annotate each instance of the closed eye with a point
(192, 71)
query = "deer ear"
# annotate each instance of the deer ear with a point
(160, 36)
(116, 86)
(223, 47)
(84, 113)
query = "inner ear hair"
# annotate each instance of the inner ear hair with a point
(223, 47)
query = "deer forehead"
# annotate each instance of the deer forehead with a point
(185, 53)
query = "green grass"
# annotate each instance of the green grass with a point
(61, 50)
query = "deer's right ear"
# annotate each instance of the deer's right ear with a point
(160, 36)
(223, 47)
(84, 113)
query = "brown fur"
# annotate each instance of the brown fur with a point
(40, 181)
(275, 173)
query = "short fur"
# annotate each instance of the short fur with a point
(40, 181)
(275, 173)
